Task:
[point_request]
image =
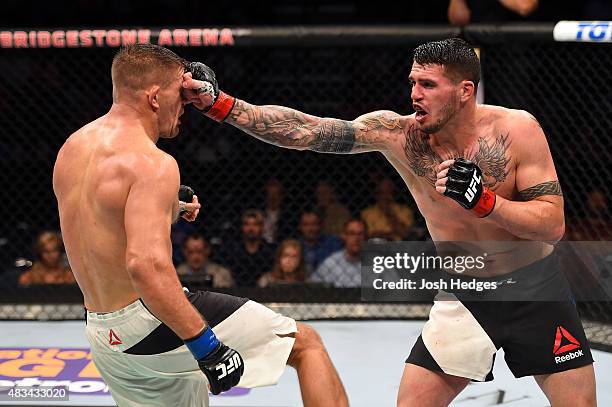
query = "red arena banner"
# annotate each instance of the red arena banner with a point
(176, 37)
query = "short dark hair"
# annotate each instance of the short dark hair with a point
(311, 211)
(454, 54)
(355, 220)
(255, 214)
(196, 236)
(139, 65)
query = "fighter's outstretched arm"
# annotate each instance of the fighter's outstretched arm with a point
(290, 128)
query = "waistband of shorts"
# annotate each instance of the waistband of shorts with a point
(115, 317)
(546, 267)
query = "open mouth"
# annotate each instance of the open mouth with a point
(420, 114)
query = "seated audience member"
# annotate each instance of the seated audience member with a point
(333, 214)
(251, 256)
(596, 224)
(278, 220)
(289, 266)
(50, 266)
(343, 268)
(316, 246)
(387, 219)
(462, 12)
(179, 232)
(196, 250)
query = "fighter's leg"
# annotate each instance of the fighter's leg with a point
(575, 387)
(319, 380)
(421, 387)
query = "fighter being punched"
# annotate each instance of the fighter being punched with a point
(477, 173)
(153, 343)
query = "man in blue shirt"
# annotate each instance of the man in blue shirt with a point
(317, 246)
(343, 268)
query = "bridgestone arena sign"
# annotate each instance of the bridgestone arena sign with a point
(180, 37)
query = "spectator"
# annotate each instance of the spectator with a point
(343, 268)
(278, 222)
(50, 266)
(251, 256)
(289, 266)
(197, 251)
(317, 246)
(462, 12)
(597, 224)
(178, 234)
(387, 219)
(333, 214)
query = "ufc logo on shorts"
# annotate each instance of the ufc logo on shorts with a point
(232, 364)
(470, 194)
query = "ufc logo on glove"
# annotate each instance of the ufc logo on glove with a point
(470, 194)
(232, 364)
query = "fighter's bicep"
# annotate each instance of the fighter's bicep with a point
(535, 172)
(149, 209)
(377, 131)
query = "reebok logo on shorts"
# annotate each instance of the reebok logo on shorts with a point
(565, 342)
(113, 339)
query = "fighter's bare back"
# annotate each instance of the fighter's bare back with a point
(92, 178)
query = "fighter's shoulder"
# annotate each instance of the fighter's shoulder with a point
(163, 162)
(152, 164)
(515, 122)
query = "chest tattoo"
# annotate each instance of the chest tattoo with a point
(491, 156)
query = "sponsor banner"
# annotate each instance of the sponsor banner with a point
(69, 368)
(583, 31)
(487, 271)
(167, 37)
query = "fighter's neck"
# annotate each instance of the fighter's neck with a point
(459, 132)
(135, 115)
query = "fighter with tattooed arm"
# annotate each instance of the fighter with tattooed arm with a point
(477, 173)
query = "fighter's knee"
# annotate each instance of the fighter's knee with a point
(306, 339)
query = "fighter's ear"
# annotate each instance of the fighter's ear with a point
(153, 97)
(468, 89)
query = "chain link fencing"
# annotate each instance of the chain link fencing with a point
(46, 94)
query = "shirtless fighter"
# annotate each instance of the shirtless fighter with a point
(477, 173)
(153, 343)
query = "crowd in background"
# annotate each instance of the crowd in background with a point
(273, 246)
(286, 239)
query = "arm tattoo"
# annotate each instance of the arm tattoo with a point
(334, 136)
(545, 188)
(290, 128)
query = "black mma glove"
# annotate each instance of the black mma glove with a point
(222, 365)
(464, 185)
(185, 195)
(222, 102)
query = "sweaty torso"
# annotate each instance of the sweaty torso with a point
(416, 157)
(92, 177)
